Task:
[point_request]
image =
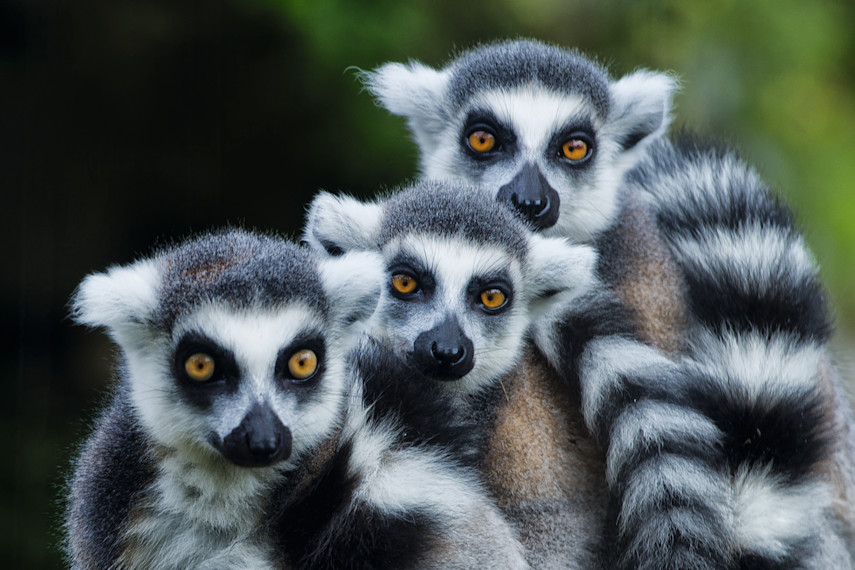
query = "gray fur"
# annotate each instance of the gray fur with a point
(436, 208)
(521, 62)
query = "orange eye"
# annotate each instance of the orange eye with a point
(493, 298)
(481, 141)
(404, 284)
(575, 150)
(199, 367)
(303, 364)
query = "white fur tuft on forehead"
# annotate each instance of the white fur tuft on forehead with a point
(558, 271)
(641, 106)
(120, 298)
(337, 224)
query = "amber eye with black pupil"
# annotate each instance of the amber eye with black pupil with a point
(575, 150)
(481, 141)
(303, 364)
(404, 284)
(199, 367)
(493, 298)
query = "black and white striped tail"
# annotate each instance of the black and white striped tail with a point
(757, 348)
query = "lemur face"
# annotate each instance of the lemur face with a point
(234, 344)
(454, 308)
(545, 129)
(464, 278)
(545, 154)
(254, 386)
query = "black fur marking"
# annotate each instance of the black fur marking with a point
(302, 527)
(600, 315)
(112, 471)
(309, 340)
(427, 414)
(791, 299)
(517, 63)
(485, 120)
(786, 303)
(226, 372)
(787, 431)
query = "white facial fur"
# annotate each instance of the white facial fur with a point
(554, 273)
(640, 107)
(588, 193)
(255, 339)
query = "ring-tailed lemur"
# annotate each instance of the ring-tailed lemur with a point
(466, 279)
(241, 435)
(711, 271)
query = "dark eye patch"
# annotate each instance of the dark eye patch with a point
(226, 375)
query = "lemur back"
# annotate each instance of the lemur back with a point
(558, 140)
(240, 404)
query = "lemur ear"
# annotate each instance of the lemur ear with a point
(338, 224)
(120, 299)
(413, 91)
(642, 104)
(353, 284)
(558, 272)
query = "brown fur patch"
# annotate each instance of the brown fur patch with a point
(650, 284)
(544, 469)
(540, 449)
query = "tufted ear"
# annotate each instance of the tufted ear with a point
(411, 90)
(121, 299)
(557, 272)
(642, 104)
(416, 92)
(353, 284)
(338, 224)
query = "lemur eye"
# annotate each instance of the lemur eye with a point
(405, 284)
(199, 367)
(493, 299)
(575, 150)
(303, 364)
(481, 140)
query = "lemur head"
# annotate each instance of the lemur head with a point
(234, 343)
(544, 128)
(464, 278)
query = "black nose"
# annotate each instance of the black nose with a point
(260, 440)
(444, 352)
(531, 195)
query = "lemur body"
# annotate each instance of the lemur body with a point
(446, 246)
(242, 434)
(557, 140)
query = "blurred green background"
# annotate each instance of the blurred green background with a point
(126, 123)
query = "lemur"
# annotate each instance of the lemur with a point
(711, 271)
(466, 280)
(244, 432)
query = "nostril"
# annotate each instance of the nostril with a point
(265, 446)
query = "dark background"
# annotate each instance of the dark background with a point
(126, 123)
